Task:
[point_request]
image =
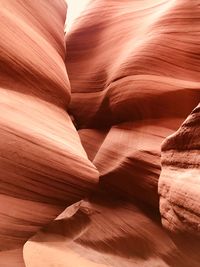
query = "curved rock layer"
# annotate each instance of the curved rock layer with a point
(32, 49)
(134, 73)
(179, 184)
(106, 232)
(134, 76)
(131, 60)
(127, 157)
(43, 165)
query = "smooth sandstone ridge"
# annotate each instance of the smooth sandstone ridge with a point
(134, 73)
(133, 60)
(43, 167)
(98, 122)
(105, 231)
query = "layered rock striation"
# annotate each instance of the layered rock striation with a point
(101, 119)
(43, 165)
(134, 73)
(179, 181)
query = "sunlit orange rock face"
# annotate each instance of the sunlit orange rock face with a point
(134, 73)
(43, 165)
(105, 118)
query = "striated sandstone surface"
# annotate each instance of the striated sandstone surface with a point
(119, 119)
(43, 165)
(132, 60)
(134, 73)
(107, 232)
(127, 157)
(179, 184)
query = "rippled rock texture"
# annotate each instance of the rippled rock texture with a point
(96, 119)
(134, 60)
(43, 165)
(106, 231)
(134, 73)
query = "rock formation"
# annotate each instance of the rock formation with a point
(179, 184)
(105, 231)
(135, 78)
(43, 165)
(95, 119)
(134, 60)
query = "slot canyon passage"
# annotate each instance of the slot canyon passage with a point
(100, 133)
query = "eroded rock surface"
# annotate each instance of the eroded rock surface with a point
(105, 231)
(134, 73)
(179, 184)
(133, 60)
(43, 165)
(133, 69)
